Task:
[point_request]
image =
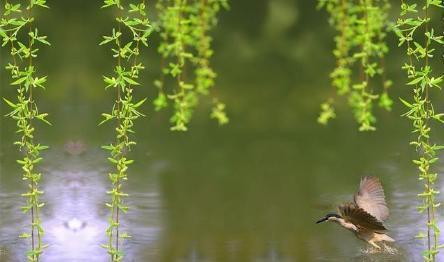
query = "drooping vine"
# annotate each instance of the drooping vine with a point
(132, 32)
(361, 27)
(19, 33)
(205, 75)
(416, 33)
(184, 27)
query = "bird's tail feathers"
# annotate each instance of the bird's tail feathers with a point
(385, 237)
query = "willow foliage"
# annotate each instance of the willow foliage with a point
(361, 27)
(20, 35)
(184, 27)
(416, 33)
(132, 32)
(185, 47)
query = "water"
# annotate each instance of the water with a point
(241, 197)
(250, 191)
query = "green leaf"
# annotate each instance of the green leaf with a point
(42, 117)
(10, 103)
(406, 103)
(139, 103)
(416, 80)
(130, 81)
(20, 80)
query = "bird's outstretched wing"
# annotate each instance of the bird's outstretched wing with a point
(359, 217)
(371, 198)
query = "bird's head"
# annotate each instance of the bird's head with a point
(329, 217)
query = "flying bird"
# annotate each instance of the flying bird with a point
(366, 215)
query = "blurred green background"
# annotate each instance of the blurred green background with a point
(247, 191)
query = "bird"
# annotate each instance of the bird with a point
(365, 216)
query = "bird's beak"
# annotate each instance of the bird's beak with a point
(321, 220)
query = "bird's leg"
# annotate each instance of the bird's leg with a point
(374, 244)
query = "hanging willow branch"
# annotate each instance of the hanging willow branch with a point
(134, 22)
(184, 27)
(204, 74)
(417, 34)
(18, 32)
(361, 27)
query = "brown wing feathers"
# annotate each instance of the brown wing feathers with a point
(371, 198)
(359, 217)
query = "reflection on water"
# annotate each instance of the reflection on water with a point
(10, 225)
(189, 212)
(75, 222)
(74, 216)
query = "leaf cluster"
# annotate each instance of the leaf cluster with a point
(184, 27)
(361, 27)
